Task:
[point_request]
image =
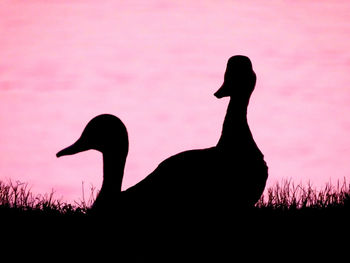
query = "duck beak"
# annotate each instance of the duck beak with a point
(77, 147)
(222, 92)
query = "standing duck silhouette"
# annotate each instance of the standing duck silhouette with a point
(225, 177)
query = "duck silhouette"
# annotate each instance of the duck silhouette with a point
(225, 177)
(105, 133)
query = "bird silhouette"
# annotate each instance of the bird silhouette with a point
(225, 177)
(105, 133)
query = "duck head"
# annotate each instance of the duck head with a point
(239, 80)
(105, 133)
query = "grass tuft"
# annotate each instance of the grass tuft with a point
(16, 198)
(286, 197)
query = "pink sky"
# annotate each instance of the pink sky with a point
(156, 64)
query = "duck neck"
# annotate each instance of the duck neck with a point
(235, 131)
(113, 172)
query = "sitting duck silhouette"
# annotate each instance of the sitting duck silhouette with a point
(225, 177)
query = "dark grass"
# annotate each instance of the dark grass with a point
(289, 218)
(283, 199)
(287, 198)
(17, 199)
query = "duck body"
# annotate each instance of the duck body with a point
(180, 182)
(207, 180)
(211, 179)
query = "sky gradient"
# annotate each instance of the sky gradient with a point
(155, 65)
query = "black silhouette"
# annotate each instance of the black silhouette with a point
(223, 178)
(107, 134)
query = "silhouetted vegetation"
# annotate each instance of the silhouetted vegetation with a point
(287, 198)
(16, 198)
(284, 198)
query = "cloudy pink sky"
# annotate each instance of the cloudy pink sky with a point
(155, 64)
